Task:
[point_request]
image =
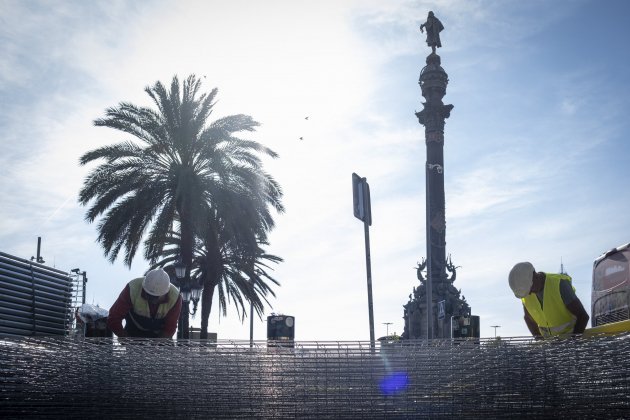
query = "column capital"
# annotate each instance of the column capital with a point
(433, 116)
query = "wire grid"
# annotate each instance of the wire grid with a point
(57, 377)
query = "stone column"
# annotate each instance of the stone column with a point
(433, 81)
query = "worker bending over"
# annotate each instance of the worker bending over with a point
(549, 300)
(150, 306)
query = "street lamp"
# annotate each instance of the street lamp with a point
(388, 324)
(180, 268)
(184, 290)
(191, 289)
(495, 329)
(195, 294)
(185, 294)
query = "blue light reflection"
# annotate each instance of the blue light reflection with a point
(394, 383)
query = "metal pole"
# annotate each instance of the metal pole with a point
(182, 324)
(186, 306)
(387, 324)
(251, 323)
(369, 280)
(39, 247)
(185, 323)
(84, 282)
(429, 291)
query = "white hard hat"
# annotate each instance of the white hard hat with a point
(156, 282)
(521, 279)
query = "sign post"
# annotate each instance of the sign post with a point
(363, 211)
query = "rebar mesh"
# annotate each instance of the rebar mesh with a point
(88, 378)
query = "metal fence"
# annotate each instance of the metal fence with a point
(507, 378)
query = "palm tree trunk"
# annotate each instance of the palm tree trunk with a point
(206, 305)
(211, 280)
(183, 327)
(186, 251)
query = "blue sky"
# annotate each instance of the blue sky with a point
(535, 150)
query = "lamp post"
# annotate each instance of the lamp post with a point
(195, 295)
(180, 268)
(184, 290)
(495, 329)
(191, 291)
(387, 324)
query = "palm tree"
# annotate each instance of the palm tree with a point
(178, 166)
(232, 260)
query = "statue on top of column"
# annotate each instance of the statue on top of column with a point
(434, 27)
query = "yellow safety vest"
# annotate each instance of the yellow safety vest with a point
(553, 318)
(141, 314)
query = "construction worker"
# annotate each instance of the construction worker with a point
(150, 306)
(549, 301)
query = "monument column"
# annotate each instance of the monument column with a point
(428, 312)
(433, 81)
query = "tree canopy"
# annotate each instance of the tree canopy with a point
(179, 171)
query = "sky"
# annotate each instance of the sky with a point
(535, 154)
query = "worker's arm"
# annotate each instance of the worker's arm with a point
(171, 318)
(577, 309)
(574, 305)
(118, 312)
(531, 324)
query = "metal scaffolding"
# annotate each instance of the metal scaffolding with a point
(495, 378)
(34, 299)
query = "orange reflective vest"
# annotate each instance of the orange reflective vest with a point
(553, 318)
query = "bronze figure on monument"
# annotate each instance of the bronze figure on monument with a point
(434, 27)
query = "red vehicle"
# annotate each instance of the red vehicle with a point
(610, 297)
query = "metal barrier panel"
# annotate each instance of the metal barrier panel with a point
(507, 378)
(34, 299)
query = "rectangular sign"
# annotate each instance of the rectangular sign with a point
(441, 309)
(361, 199)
